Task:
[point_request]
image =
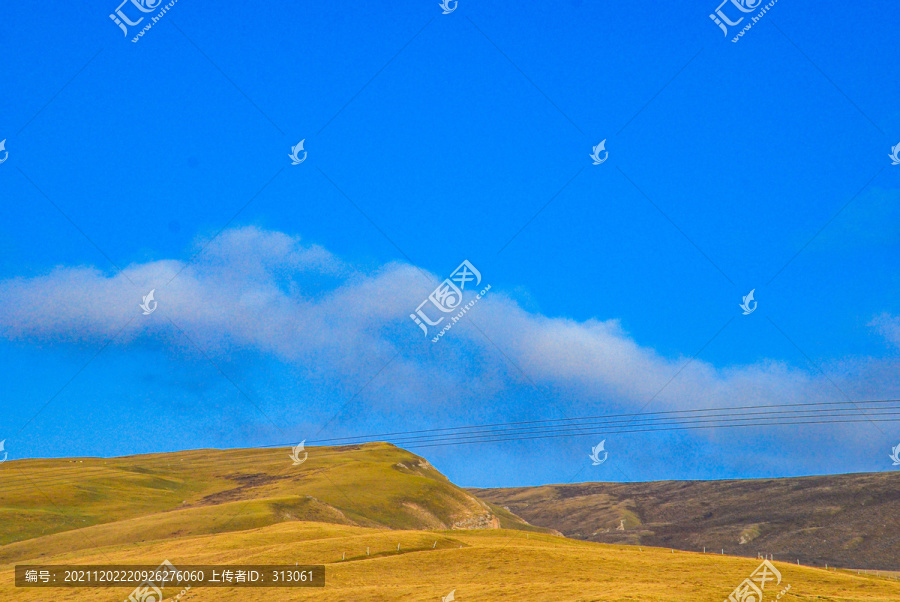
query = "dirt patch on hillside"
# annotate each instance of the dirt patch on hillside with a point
(247, 483)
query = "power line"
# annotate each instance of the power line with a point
(770, 415)
(561, 420)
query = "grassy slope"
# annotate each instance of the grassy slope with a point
(844, 520)
(253, 506)
(489, 565)
(202, 491)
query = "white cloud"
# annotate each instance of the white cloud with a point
(887, 326)
(265, 290)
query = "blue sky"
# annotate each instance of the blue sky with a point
(761, 164)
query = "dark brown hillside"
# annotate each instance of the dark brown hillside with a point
(850, 520)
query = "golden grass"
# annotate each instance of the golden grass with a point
(254, 507)
(479, 565)
(376, 485)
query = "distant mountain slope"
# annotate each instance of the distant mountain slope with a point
(207, 491)
(850, 520)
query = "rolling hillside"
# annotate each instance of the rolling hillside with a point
(848, 520)
(479, 565)
(208, 491)
(386, 525)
